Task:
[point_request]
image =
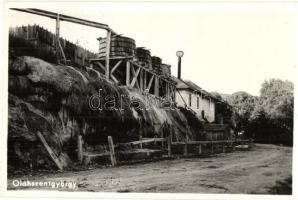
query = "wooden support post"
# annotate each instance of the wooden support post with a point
(135, 76)
(116, 66)
(112, 151)
(145, 80)
(80, 148)
(162, 136)
(127, 73)
(211, 146)
(170, 143)
(141, 79)
(108, 54)
(141, 145)
(156, 86)
(57, 36)
(50, 151)
(200, 149)
(224, 148)
(185, 148)
(150, 82)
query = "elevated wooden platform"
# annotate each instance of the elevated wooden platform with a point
(126, 71)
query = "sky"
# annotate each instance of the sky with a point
(227, 47)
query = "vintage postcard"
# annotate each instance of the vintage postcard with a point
(157, 100)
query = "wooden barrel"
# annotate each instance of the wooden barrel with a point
(120, 47)
(156, 64)
(144, 57)
(166, 69)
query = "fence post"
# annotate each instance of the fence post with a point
(169, 144)
(223, 147)
(141, 145)
(80, 148)
(200, 149)
(112, 151)
(185, 147)
(211, 146)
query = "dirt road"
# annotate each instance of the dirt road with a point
(254, 171)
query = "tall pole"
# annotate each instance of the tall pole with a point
(108, 54)
(179, 67)
(179, 54)
(57, 36)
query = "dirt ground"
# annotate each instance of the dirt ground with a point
(258, 171)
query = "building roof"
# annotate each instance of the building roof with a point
(189, 85)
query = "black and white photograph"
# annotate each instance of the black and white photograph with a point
(149, 97)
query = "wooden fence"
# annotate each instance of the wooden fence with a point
(38, 36)
(184, 146)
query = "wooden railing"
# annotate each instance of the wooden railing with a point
(168, 140)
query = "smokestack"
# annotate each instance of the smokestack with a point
(179, 54)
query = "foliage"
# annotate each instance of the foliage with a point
(267, 118)
(272, 118)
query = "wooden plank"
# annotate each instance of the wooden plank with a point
(170, 143)
(146, 140)
(57, 36)
(116, 66)
(50, 151)
(141, 79)
(127, 73)
(185, 148)
(150, 82)
(112, 151)
(80, 148)
(114, 78)
(108, 54)
(203, 142)
(145, 79)
(135, 76)
(64, 18)
(156, 86)
(141, 144)
(101, 66)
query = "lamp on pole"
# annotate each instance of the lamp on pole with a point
(179, 54)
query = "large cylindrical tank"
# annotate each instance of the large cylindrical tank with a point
(120, 47)
(156, 64)
(166, 69)
(144, 57)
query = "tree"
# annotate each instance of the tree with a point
(244, 104)
(272, 118)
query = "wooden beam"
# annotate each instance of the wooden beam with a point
(112, 151)
(49, 150)
(141, 79)
(135, 76)
(67, 18)
(150, 82)
(156, 86)
(116, 66)
(127, 73)
(108, 54)
(170, 142)
(80, 148)
(101, 66)
(145, 80)
(185, 148)
(114, 78)
(57, 36)
(200, 149)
